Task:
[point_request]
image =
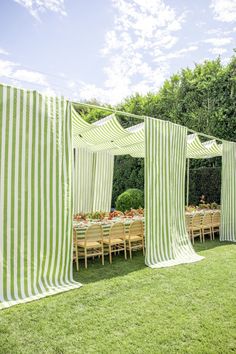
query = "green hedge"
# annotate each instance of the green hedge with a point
(132, 198)
(129, 173)
(207, 181)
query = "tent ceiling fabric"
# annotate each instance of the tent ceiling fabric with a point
(108, 134)
(198, 150)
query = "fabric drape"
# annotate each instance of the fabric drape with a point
(102, 181)
(83, 180)
(167, 242)
(35, 196)
(228, 193)
(93, 180)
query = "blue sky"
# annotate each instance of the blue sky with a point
(109, 49)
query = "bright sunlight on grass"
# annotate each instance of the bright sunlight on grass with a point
(129, 308)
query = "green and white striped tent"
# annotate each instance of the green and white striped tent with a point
(108, 135)
(40, 186)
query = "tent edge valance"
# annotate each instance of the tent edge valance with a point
(142, 117)
(129, 141)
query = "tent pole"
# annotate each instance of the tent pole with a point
(102, 108)
(205, 135)
(187, 192)
(131, 115)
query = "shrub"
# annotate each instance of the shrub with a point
(132, 198)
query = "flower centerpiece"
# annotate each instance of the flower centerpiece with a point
(115, 214)
(80, 217)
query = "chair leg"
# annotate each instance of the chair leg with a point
(102, 255)
(130, 250)
(77, 259)
(85, 258)
(110, 256)
(125, 250)
(143, 246)
(77, 264)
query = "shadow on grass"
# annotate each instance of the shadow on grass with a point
(121, 267)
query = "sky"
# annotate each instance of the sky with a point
(109, 49)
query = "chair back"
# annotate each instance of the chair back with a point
(216, 217)
(136, 228)
(188, 220)
(94, 233)
(117, 230)
(196, 220)
(120, 213)
(206, 220)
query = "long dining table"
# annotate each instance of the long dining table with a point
(80, 227)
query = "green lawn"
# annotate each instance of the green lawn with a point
(128, 308)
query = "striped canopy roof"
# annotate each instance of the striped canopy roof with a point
(198, 150)
(108, 134)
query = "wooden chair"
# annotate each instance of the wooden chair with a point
(135, 238)
(116, 240)
(92, 245)
(206, 226)
(215, 223)
(75, 250)
(188, 220)
(196, 227)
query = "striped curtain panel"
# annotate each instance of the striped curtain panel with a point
(228, 193)
(167, 241)
(35, 196)
(83, 179)
(102, 181)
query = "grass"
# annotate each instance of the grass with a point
(128, 308)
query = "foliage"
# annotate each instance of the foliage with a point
(92, 115)
(207, 181)
(127, 307)
(128, 173)
(132, 198)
